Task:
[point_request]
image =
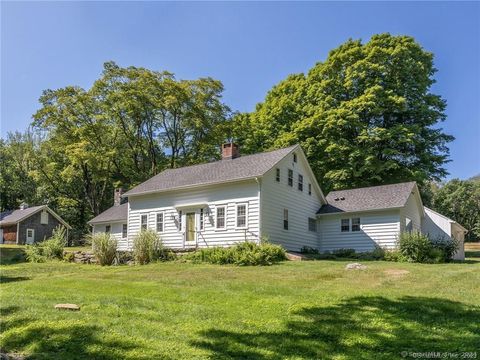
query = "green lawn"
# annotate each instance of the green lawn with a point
(296, 310)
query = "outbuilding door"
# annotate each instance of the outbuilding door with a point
(30, 236)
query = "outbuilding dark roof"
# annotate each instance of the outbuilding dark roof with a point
(243, 167)
(10, 217)
(115, 213)
(368, 198)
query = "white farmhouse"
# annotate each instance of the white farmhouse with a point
(272, 195)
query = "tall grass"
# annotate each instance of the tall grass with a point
(148, 247)
(104, 247)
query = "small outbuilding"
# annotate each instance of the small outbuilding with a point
(28, 225)
(441, 227)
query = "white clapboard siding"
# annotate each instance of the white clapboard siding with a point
(379, 228)
(438, 226)
(115, 231)
(213, 196)
(412, 210)
(277, 196)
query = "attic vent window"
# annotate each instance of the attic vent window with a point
(342, 198)
(336, 199)
(44, 217)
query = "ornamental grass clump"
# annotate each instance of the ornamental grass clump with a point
(148, 247)
(53, 247)
(104, 247)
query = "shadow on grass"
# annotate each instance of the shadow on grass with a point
(8, 279)
(75, 341)
(59, 341)
(359, 328)
(12, 255)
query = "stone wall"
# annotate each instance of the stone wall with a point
(80, 257)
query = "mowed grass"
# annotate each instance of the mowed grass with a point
(295, 310)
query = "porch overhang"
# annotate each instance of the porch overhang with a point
(191, 205)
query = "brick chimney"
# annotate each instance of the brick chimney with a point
(117, 196)
(230, 151)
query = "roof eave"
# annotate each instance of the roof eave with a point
(92, 222)
(128, 194)
(361, 211)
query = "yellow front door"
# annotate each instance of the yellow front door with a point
(190, 234)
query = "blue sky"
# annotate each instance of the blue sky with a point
(248, 46)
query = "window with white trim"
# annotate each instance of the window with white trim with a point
(160, 222)
(180, 220)
(300, 182)
(312, 224)
(355, 224)
(294, 158)
(143, 222)
(309, 189)
(124, 231)
(277, 174)
(202, 219)
(241, 215)
(220, 218)
(290, 177)
(345, 225)
(285, 219)
(107, 229)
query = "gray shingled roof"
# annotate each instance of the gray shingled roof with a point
(10, 217)
(243, 167)
(115, 213)
(369, 198)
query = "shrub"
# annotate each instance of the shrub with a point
(53, 247)
(247, 253)
(48, 249)
(327, 255)
(104, 247)
(308, 250)
(393, 255)
(34, 253)
(69, 257)
(148, 247)
(447, 246)
(344, 253)
(415, 247)
(436, 256)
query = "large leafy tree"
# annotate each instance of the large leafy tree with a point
(131, 124)
(365, 116)
(17, 159)
(460, 200)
